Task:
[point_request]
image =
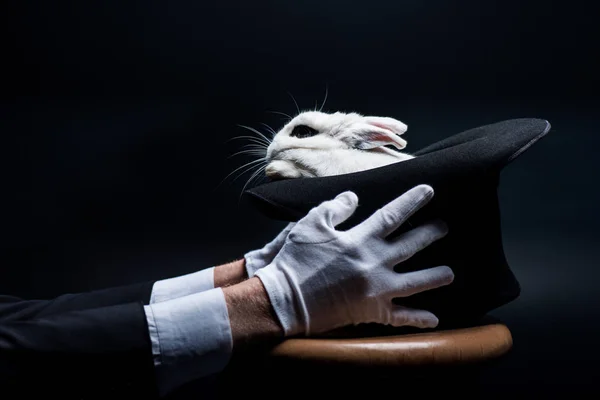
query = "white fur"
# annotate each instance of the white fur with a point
(346, 143)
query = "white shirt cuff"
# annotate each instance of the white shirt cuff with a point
(190, 336)
(172, 288)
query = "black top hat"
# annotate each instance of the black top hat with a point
(464, 172)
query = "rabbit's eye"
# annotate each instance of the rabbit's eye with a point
(303, 131)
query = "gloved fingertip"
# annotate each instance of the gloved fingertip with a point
(441, 225)
(424, 189)
(448, 274)
(430, 322)
(348, 198)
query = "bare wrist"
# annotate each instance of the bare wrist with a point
(230, 274)
(253, 320)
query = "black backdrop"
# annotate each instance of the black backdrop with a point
(116, 119)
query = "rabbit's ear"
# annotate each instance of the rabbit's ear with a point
(380, 131)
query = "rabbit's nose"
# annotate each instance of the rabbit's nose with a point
(269, 170)
(280, 169)
(272, 171)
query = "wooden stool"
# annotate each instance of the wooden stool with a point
(371, 360)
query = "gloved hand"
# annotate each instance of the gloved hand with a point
(323, 279)
(257, 259)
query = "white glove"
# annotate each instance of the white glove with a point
(323, 279)
(257, 259)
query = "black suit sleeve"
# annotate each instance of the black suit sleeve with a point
(17, 309)
(85, 345)
(78, 354)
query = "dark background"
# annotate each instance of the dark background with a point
(116, 116)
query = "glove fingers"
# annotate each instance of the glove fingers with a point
(409, 283)
(388, 218)
(417, 239)
(404, 316)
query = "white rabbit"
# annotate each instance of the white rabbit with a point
(315, 144)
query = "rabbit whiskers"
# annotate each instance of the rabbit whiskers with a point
(258, 148)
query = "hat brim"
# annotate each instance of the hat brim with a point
(475, 152)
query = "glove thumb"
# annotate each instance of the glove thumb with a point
(338, 210)
(318, 224)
